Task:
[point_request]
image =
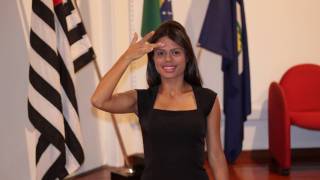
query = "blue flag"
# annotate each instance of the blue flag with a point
(224, 32)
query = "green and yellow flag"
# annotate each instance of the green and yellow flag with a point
(155, 12)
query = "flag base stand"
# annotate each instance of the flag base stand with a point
(129, 173)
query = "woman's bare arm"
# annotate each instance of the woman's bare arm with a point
(216, 156)
(126, 102)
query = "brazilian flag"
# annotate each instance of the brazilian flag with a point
(155, 12)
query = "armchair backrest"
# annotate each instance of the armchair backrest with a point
(301, 85)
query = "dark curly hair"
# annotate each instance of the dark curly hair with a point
(176, 32)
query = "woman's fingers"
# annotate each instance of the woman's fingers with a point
(148, 47)
(140, 48)
(135, 38)
(156, 45)
(147, 37)
(153, 46)
(144, 41)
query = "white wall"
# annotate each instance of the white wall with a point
(14, 78)
(281, 34)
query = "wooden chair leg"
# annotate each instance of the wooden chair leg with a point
(283, 171)
(274, 167)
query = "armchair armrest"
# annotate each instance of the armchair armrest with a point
(279, 126)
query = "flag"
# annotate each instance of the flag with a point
(165, 10)
(155, 12)
(224, 32)
(59, 48)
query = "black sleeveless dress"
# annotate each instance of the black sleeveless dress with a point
(174, 140)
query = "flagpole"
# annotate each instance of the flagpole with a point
(127, 162)
(199, 51)
(131, 32)
(24, 21)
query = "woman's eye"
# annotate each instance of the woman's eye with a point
(176, 52)
(160, 53)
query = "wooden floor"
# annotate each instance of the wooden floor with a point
(251, 166)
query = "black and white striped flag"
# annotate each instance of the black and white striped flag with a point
(59, 48)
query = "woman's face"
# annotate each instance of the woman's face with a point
(169, 60)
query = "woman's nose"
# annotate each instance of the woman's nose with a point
(168, 57)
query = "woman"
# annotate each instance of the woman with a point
(175, 113)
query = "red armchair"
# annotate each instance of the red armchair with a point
(294, 101)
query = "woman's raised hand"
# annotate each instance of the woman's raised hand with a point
(139, 48)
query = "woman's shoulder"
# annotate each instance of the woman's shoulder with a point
(147, 91)
(206, 92)
(145, 98)
(206, 98)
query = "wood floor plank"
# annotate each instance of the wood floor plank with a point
(251, 165)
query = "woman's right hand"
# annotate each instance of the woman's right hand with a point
(103, 97)
(137, 49)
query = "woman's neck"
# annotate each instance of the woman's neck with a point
(173, 88)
